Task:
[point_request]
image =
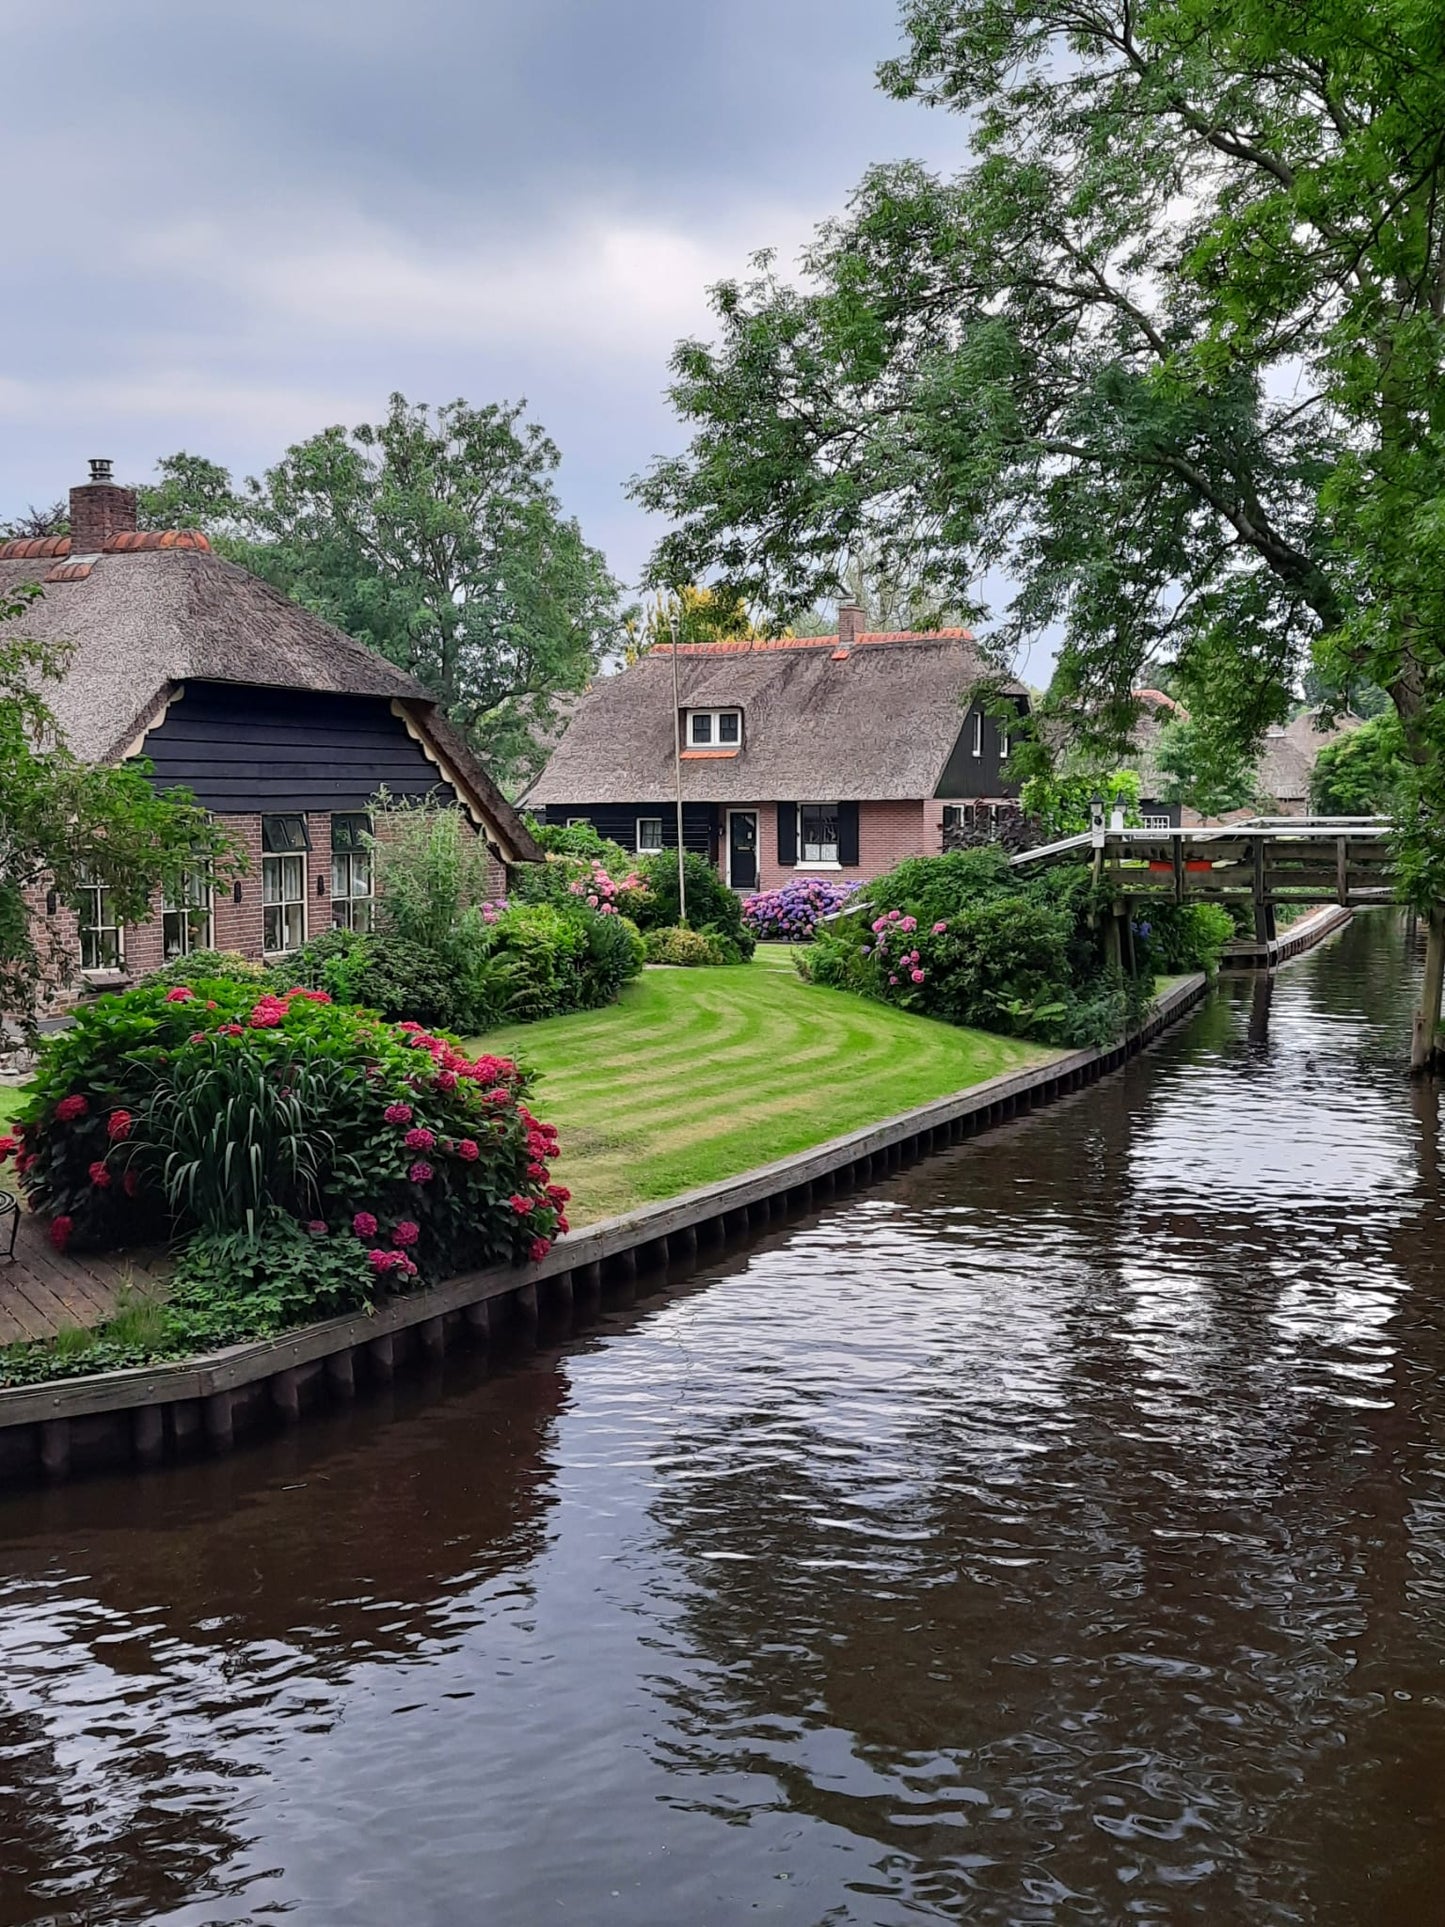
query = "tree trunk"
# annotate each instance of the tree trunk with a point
(1427, 1017)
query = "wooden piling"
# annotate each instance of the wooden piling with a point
(286, 1397)
(219, 1420)
(148, 1434)
(55, 1448)
(341, 1374)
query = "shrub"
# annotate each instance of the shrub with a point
(145, 1118)
(201, 966)
(431, 869)
(711, 906)
(577, 839)
(689, 948)
(390, 974)
(1175, 937)
(792, 914)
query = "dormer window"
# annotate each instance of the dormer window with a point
(714, 728)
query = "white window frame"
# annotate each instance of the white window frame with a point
(1158, 822)
(353, 878)
(90, 915)
(714, 717)
(648, 848)
(819, 862)
(273, 897)
(978, 732)
(188, 912)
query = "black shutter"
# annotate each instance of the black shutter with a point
(788, 833)
(848, 834)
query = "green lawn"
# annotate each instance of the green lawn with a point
(12, 1096)
(697, 1075)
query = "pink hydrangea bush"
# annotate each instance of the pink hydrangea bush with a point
(414, 1147)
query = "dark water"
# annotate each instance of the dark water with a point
(1056, 1533)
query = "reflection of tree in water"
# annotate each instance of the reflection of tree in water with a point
(215, 1601)
(1127, 1602)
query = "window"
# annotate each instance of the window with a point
(1158, 823)
(351, 890)
(978, 732)
(817, 833)
(282, 833)
(283, 896)
(649, 835)
(706, 727)
(186, 916)
(101, 944)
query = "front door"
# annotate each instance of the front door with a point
(743, 849)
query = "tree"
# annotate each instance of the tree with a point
(701, 615)
(436, 537)
(1063, 805)
(54, 520)
(65, 824)
(192, 493)
(1169, 350)
(1360, 774)
(1203, 769)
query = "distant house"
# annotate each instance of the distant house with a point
(814, 754)
(1287, 760)
(277, 723)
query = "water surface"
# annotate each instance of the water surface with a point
(1055, 1533)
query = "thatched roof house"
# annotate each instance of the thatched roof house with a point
(270, 717)
(806, 753)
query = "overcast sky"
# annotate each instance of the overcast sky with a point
(227, 227)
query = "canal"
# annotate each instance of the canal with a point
(1055, 1533)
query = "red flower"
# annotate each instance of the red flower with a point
(60, 1230)
(538, 1249)
(558, 1194)
(196, 1037)
(421, 1172)
(268, 1014)
(230, 1030)
(412, 1025)
(398, 1114)
(419, 1139)
(499, 1096)
(406, 1233)
(469, 1150)
(71, 1107)
(311, 996)
(386, 1260)
(180, 995)
(446, 1080)
(130, 1184)
(318, 1227)
(562, 1224)
(364, 1225)
(99, 1175)
(7, 1145)
(520, 1204)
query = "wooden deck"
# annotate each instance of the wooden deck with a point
(46, 1290)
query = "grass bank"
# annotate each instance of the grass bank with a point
(698, 1075)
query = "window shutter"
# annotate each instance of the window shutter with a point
(848, 834)
(788, 833)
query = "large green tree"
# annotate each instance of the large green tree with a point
(1168, 351)
(65, 824)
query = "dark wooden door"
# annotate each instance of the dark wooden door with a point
(743, 849)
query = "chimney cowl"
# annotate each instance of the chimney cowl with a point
(99, 509)
(850, 624)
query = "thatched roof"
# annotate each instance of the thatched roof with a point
(874, 722)
(142, 620)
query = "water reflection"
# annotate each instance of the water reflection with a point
(1056, 1533)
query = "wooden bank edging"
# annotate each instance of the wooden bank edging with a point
(1300, 937)
(146, 1414)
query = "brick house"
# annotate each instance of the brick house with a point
(278, 724)
(813, 754)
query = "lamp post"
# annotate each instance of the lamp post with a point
(672, 624)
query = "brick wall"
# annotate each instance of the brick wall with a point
(887, 832)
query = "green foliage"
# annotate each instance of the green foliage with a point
(65, 821)
(544, 959)
(162, 1111)
(1204, 770)
(712, 907)
(431, 869)
(1362, 772)
(204, 966)
(1062, 803)
(574, 839)
(1171, 938)
(1166, 353)
(689, 948)
(700, 615)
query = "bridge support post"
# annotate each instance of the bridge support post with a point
(1427, 1017)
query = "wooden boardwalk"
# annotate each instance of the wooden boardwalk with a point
(45, 1290)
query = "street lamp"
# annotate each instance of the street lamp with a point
(672, 623)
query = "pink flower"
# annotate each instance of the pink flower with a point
(592, 901)
(918, 976)
(501, 1098)
(7, 1146)
(71, 1107)
(100, 1175)
(317, 1227)
(60, 1230)
(385, 1260)
(196, 1037)
(538, 1249)
(398, 1114)
(406, 1233)
(410, 1023)
(537, 1171)
(230, 1030)
(446, 1080)
(893, 980)
(469, 1150)
(180, 995)
(364, 1225)
(312, 996)
(880, 925)
(421, 1172)
(419, 1139)
(267, 1015)
(558, 1194)
(939, 929)
(520, 1204)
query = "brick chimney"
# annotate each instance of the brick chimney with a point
(850, 624)
(99, 510)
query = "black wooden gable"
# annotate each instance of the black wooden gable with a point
(975, 765)
(240, 748)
